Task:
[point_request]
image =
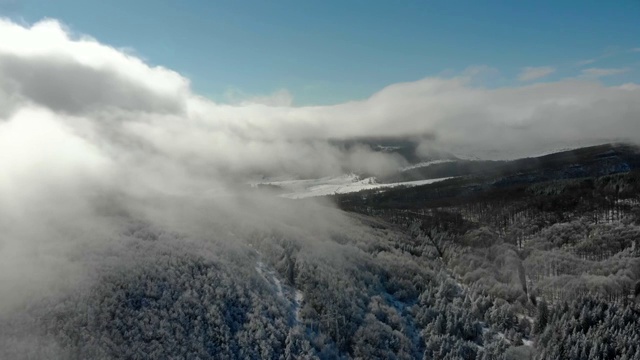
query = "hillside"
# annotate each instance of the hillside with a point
(478, 267)
(558, 236)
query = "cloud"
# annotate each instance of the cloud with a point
(37, 78)
(629, 86)
(142, 114)
(607, 53)
(586, 62)
(91, 72)
(635, 49)
(281, 97)
(601, 72)
(533, 73)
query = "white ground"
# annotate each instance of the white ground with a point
(426, 164)
(299, 298)
(299, 189)
(291, 295)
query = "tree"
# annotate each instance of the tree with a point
(542, 317)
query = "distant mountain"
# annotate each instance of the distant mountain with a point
(407, 147)
(498, 179)
(584, 162)
(589, 161)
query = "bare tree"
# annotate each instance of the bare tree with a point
(433, 237)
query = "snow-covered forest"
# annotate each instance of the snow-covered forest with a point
(543, 273)
(557, 261)
(354, 290)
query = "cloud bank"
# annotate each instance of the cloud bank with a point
(137, 112)
(533, 73)
(601, 72)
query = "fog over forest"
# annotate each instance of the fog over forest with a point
(114, 170)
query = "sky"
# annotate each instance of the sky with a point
(330, 52)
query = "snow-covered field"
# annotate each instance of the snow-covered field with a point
(299, 189)
(289, 294)
(426, 163)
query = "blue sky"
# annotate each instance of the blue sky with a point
(328, 51)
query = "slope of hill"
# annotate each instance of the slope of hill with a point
(350, 287)
(300, 189)
(536, 258)
(589, 161)
(558, 235)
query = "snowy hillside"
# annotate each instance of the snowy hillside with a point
(299, 189)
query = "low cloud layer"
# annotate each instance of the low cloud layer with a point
(533, 73)
(81, 122)
(601, 72)
(133, 111)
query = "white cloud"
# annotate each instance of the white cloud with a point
(281, 97)
(586, 62)
(141, 112)
(601, 72)
(48, 47)
(630, 86)
(533, 73)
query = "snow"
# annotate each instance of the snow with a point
(387, 148)
(553, 151)
(467, 157)
(270, 276)
(522, 316)
(497, 334)
(298, 304)
(575, 146)
(500, 335)
(426, 164)
(284, 292)
(299, 189)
